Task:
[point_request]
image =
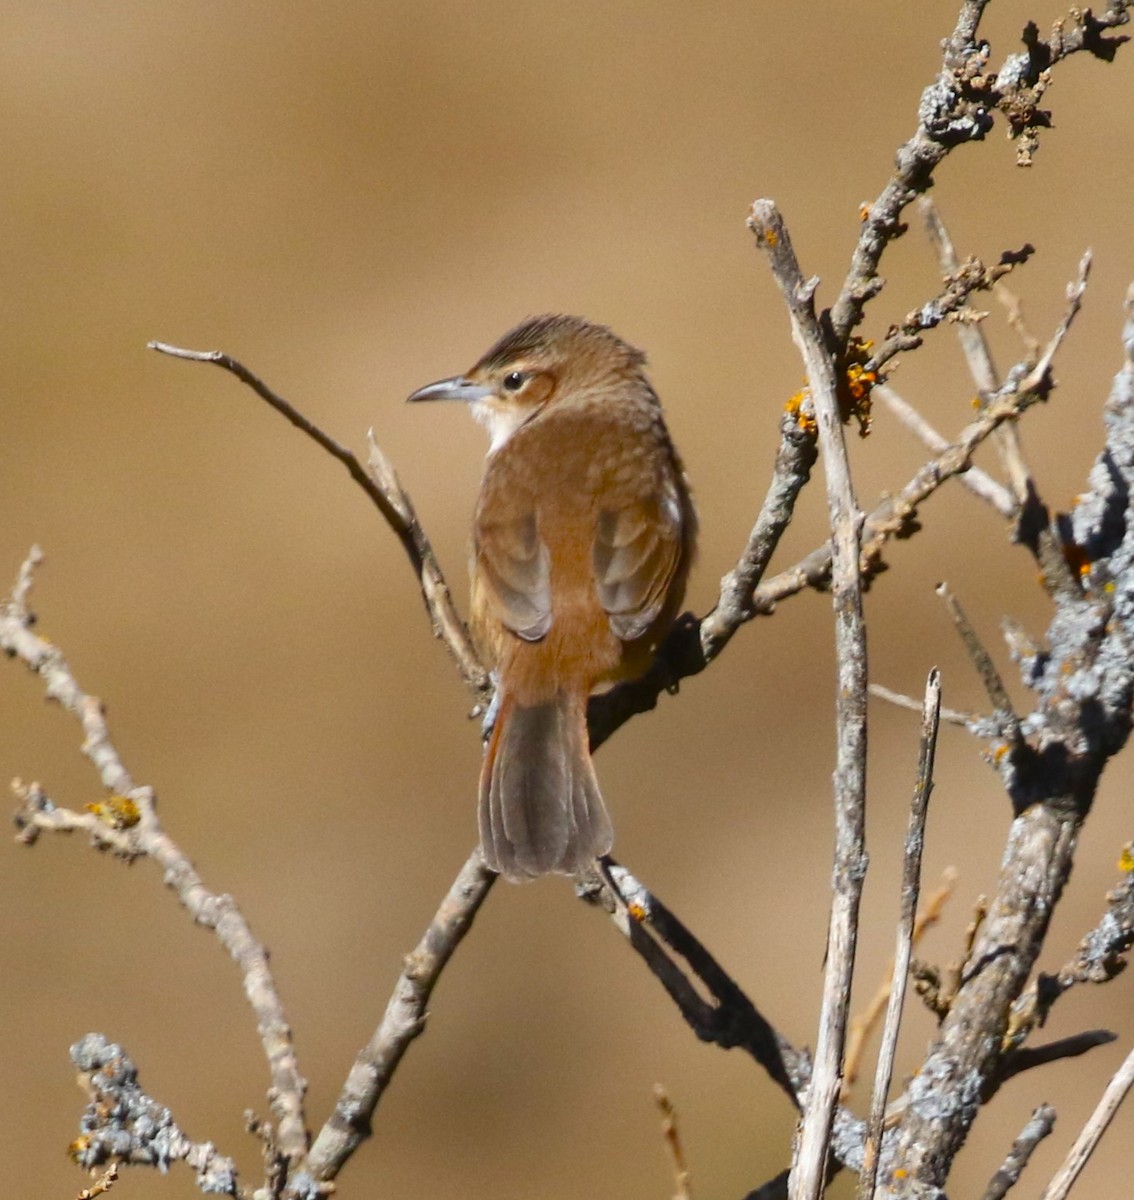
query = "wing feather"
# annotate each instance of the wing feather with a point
(636, 552)
(515, 569)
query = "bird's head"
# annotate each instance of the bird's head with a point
(542, 362)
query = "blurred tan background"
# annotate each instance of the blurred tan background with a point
(358, 198)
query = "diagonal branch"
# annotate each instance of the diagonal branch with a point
(349, 1124)
(1095, 1127)
(386, 493)
(133, 830)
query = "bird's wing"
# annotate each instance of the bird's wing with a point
(515, 569)
(636, 552)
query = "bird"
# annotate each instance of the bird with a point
(583, 536)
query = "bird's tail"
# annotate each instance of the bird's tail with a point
(540, 805)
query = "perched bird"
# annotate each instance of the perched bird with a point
(582, 541)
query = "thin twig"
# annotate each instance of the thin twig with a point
(386, 493)
(951, 716)
(101, 1185)
(141, 835)
(862, 1026)
(1072, 1046)
(1095, 1127)
(404, 1019)
(1041, 1124)
(978, 355)
(1005, 713)
(682, 1180)
(809, 1169)
(727, 1019)
(911, 887)
(979, 482)
(794, 460)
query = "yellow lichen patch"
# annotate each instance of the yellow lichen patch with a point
(863, 211)
(120, 812)
(856, 382)
(999, 752)
(771, 237)
(637, 912)
(1126, 858)
(76, 1148)
(803, 419)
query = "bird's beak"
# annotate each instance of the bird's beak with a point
(457, 388)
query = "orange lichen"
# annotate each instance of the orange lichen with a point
(803, 418)
(637, 911)
(771, 237)
(119, 812)
(856, 382)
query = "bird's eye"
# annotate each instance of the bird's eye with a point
(513, 381)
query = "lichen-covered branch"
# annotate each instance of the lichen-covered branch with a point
(1083, 685)
(127, 823)
(959, 107)
(122, 1124)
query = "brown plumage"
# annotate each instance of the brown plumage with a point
(582, 541)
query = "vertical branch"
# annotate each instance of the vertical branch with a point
(809, 1170)
(911, 886)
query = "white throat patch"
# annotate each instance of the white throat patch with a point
(500, 421)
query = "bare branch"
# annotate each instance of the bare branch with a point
(1072, 1046)
(794, 460)
(952, 305)
(1095, 1127)
(979, 482)
(404, 1019)
(728, 1019)
(951, 716)
(862, 1025)
(1040, 1125)
(386, 493)
(978, 355)
(132, 829)
(1005, 714)
(682, 1181)
(809, 1169)
(911, 887)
